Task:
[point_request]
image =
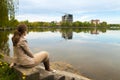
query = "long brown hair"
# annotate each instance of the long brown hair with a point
(18, 33)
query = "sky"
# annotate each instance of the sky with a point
(82, 10)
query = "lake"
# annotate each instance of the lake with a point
(94, 52)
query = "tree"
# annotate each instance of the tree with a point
(46, 24)
(7, 8)
(13, 23)
(66, 24)
(77, 24)
(3, 13)
(86, 24)
(103, 24)
(53, 24)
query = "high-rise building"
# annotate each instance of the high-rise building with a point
(67, 18)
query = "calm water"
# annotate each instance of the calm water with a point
(95, 53)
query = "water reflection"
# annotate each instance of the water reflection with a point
(67, 34)
(4, 46)
(95, 31)
(95, 55)
(64, 30)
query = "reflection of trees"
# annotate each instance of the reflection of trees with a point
(4, 46)
(97, 30)
(42, 29)
(103, 30)
(90, 30)
(68, 30)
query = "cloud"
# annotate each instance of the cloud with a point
(67, 5)
(79, 8)
(37, 17)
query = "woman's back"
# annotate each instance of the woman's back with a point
(20, 53)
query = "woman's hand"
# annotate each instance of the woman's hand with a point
(11, 65)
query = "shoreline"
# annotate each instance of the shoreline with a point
(67, 68)
(62, 69)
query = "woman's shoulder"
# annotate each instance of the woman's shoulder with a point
(22, 41)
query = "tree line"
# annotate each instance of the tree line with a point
(14, 23)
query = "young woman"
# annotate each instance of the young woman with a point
(22, 54)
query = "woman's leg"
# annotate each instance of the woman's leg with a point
(43, 57)
(47, 65)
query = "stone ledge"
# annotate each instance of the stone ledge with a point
(27, 73)
(38, 73)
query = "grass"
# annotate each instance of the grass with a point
(6, 73)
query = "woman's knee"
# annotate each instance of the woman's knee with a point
(41, 56)
(46, 54)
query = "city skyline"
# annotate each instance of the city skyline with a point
(52, 10)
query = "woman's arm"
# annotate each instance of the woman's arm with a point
(26, 48)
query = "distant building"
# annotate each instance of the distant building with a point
(96, 22)
(67, 18)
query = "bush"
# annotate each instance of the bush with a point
(7, 73)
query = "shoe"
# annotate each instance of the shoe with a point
(53, 71)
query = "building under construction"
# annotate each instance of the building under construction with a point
(67, 18)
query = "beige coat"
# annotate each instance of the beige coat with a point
(22, 54)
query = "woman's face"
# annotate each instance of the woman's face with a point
(25, 33)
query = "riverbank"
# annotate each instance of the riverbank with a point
(63, 66)
(67, 69)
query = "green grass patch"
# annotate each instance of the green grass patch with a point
(7, 73)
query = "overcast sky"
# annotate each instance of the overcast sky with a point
(82, 10)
